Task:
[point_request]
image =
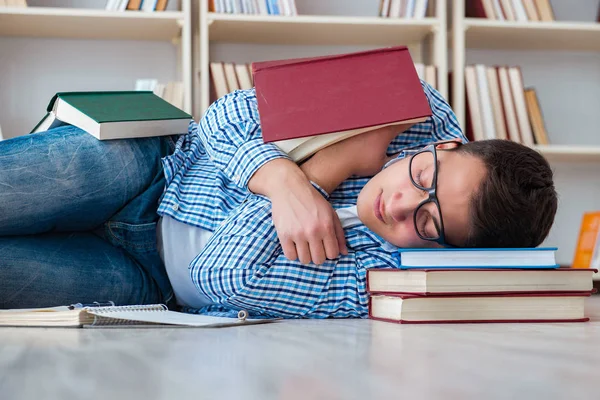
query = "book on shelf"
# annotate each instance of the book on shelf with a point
(115, 114)
(404, 8)
(510, 10)
(13, 3)
(491, 308)
(539, 257)
(587, 249)
(227, 77)
(307, 104)
(262, 7)
(106, 315)
(499, 107)
(535, 117)
(136, 5)
(479, 281)
(171, 91)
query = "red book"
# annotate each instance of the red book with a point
(539, 307)
(315, 102)
(476, 9)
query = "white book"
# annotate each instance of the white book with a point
(516, 84)
(485, 102)
(231, 77)
(219, 81)
(262, 7)
(123, 5)
(410, 9)
(520, 12)
(385, 8)
(110, 5)
(395, 8)
(243, 76)
(420, 67)
(494, 89)
(420, 9)
(498, 10)
(293, 8)
(284, 8)
(512, 126)
(473, 103)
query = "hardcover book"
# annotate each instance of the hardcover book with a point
(307, 104)
(539, 257)
(115, 115)
(564, 307)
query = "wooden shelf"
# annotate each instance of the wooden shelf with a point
(569, 153)
(318, 30)
(90, 23)
(489, 34)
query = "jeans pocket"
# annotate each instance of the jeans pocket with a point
(137, 238)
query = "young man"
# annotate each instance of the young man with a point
(260, 219)
(241, 222)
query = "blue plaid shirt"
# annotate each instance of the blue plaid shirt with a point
(243, 265)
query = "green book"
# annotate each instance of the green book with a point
(115, 115)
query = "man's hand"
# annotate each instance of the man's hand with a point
(306, 224)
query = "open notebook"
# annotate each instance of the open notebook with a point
(153, 315)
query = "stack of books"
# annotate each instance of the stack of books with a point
(511, 10)
(500, 107)
(478, 285)
(136, 5)
(403, 8)
(264, 7)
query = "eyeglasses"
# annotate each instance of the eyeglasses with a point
(427, 218)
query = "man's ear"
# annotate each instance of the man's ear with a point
(448, 145)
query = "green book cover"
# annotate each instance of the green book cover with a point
(120, 106)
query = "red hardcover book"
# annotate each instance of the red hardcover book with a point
(474, 281)
(315, 102)
(476, 9)
(538, 307)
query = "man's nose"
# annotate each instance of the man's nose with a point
(403, 205)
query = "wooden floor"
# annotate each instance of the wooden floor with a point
(333, 359)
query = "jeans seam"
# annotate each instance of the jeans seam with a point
(149, 246)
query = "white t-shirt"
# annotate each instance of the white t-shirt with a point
(179, 243)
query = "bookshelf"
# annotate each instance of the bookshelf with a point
(321, 30)
(74, 23)
(481, 33)
(564, 56)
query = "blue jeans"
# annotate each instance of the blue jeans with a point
(78, 219)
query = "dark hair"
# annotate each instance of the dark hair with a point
(516, 203)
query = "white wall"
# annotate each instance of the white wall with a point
(568, 84)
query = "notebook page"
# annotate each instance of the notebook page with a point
(176, 318)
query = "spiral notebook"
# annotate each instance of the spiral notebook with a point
(100, 315)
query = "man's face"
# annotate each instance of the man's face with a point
(388, 201)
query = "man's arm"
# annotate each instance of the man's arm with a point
(306, 224)
(361, 155)
(243, 267)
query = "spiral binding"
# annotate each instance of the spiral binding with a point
(101, 320)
